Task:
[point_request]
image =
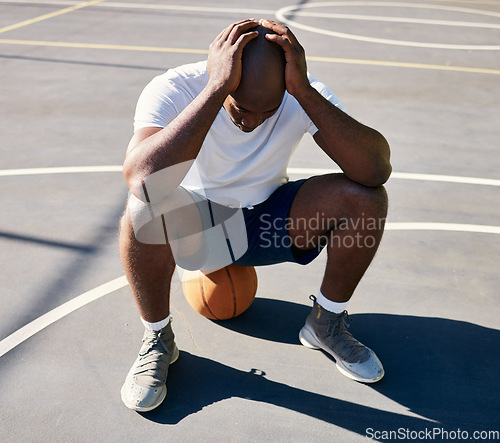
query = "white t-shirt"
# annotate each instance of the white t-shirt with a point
(232, 165)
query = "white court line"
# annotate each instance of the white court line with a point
(189, 8)
(49, 318)
(297, 171)
(27, 331)
(59, 170)
(376, 18)
(446, 178)
(21, 335)
(398, 5)
(455, 227)
(475, 2)
(254, 12)
(281, 16)
(234, 10)
(406, 176)
(221, 10)
(43, 2)
(156, 7)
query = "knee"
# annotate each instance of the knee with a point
(364, 199)
(378, 199)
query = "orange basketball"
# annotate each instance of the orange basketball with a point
(222, 294)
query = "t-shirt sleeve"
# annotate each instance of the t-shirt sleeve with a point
(158, 104)
(326, 92)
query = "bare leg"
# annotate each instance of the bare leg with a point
(149, 270)
(350, 217)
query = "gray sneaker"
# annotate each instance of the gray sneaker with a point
(145, 386)
(328, 331)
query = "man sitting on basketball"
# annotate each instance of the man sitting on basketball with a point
(219, 134)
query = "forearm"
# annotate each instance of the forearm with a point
(176, 144)
(361, 152)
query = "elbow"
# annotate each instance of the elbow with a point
(135, 180)
(381, 168)
(153, 184)
(384, 175)
(377, 178)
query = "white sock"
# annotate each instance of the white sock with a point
(157, 325)
(329, 305)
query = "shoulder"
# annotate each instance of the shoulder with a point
(325, 91)
(178, 85)
(189, 78)
(166, 95)
(190, 70)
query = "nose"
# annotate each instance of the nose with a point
(252, 120)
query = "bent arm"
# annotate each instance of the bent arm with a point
(155, 149)
(152, 150)
(360, 151)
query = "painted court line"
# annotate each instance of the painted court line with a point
(420, 21)
(407, 176)
(159, 7)
(403, 65)
(16, 338)
(413, 5)
(454, 227)
(104, 46)
(282, 13)
(230, 10)
(205, 51)
(50, 15)
(27, 331)
(151, 6)
(296, 171)
(60, 170)
(446, 178)
(475, 2)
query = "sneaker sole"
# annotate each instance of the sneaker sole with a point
(309, 339)
(160, 398)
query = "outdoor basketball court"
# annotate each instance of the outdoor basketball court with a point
(425, 74)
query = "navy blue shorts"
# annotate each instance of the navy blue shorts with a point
(268, 239)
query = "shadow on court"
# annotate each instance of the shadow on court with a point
(80, 264)
(443, 370)
(200, 382)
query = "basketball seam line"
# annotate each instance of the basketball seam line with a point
(200, 278)
(233, 290)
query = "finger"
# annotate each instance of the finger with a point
(220, 34)
(280, 29)
(245, 38)
(241, 28)
(227, 31)
(284, 42)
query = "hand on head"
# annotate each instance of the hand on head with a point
(296, 66)
(225, 53)
(253, 62)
